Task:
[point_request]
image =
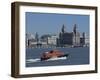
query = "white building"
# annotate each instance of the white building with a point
(52, 40)
(87, 40)
(29, 39)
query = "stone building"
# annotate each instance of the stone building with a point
(45, 40)
(64, 39)
(52, 40)
(76, 36)
(82, 39)
(29, 38)
(69, 38)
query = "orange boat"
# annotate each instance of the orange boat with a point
(53, 54)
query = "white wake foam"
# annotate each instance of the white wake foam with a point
(60, 58)
(38, 60)
(33, 60)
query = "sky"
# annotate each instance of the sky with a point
(51, 23)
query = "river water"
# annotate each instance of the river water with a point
(77, 56)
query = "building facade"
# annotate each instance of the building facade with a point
(52, 40)
(64, 39)
(70, 38)
(43, 41)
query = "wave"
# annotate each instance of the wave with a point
(38, 59)
(33, 60)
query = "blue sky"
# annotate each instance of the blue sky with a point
(47, 23)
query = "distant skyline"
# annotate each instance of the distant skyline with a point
(50, 23)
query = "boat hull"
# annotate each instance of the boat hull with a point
(46, 58)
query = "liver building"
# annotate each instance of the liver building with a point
(70, 38)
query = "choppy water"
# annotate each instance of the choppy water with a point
(77, 56)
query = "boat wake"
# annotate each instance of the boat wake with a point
(39, 60)
(33, 60)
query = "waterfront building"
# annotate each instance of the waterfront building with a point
(69, 38)
(87, 40)
(32, 43)
(64, 39)
(52, 40)
(76, 36)
(82, 39)
(29, 37)
(46, 40)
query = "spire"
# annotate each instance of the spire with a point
(63, 29)
(75, 28)
(37, 37)
(60, 34)
(83, 34)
